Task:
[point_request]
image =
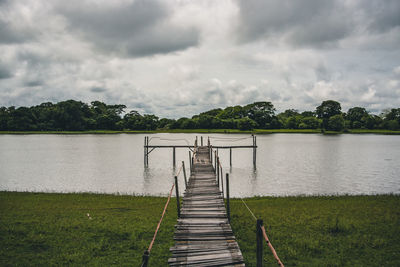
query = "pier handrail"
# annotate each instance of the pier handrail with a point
(146, 254)
(264, 233)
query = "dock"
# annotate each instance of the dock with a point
(203, 235)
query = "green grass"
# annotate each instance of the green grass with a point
(54, 229)
(323, 231)
(231, 131)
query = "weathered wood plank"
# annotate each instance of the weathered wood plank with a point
(203, 235)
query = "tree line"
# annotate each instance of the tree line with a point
(74, 115)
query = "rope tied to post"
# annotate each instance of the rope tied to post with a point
(265, 237)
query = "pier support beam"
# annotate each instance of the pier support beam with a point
(228, 208)
(184, 173)
(254, 151)
(178, 204)
(173, 156)
(230, 156)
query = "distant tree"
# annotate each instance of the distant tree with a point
(310, 123)
(246, 124)
(308, 114)
(326, 110)
(336, 123)
(261, 112)
(235, 112)
(165, 123)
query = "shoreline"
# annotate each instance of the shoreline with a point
(211, 131)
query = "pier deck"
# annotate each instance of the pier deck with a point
(203, 235)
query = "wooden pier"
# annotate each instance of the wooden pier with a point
(203, 235)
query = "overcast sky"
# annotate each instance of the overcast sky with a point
(176, 58)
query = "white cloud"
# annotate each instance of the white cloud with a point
(177, 58)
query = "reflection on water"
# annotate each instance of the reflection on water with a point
(287, 164)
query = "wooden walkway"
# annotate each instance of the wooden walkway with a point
(203, 235)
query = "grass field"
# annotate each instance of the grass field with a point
(230, 131)
(55, 229)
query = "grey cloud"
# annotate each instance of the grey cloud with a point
(98, 89)
(322, 73)
(300, 23)
(5, 73)
(34, 83)
(9, 32)
(385, 14)
(139, 29)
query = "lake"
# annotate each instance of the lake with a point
(287, 164)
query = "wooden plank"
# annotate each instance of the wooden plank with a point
(203, 235)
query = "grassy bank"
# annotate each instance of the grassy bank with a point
(54, 229)
(229, 131)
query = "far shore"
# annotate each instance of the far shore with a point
(219, 131)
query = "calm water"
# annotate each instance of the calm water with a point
(287, 164)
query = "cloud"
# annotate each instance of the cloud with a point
(5, 73)
(136, 29)
(298, 23)
(317, 24)
(97, 89)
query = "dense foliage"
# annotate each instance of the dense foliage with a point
(74, 115)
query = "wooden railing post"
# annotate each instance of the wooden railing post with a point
(145, 258)
(173, 156)
(228, 208)
(217, 169)
(230, 156)
(259, 240)
(184, 173)
(201, 138)
(215, 161)
(190, 162)
(178, 204)
(144, 151)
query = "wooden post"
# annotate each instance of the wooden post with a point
(230, 156)
(145, 258)
(255, 151)
(147, 151)
(211, 155)
(217, 169)
(144, 151)
(178, 204)
(173, 156)
(201, 138)
(184, 173)
(222, 182)
(215, 162)
(259, 240)
(190, 161)
(228, 208)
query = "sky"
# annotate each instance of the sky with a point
(177, 58)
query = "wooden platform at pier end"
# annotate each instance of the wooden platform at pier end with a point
(203, 235)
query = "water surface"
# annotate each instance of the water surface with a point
(287, 164)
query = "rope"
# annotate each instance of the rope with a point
(180, 169)
(175, 139)
(265, 237)
(162, 217)
(271, 247)
(229, 138)
(255, 218)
